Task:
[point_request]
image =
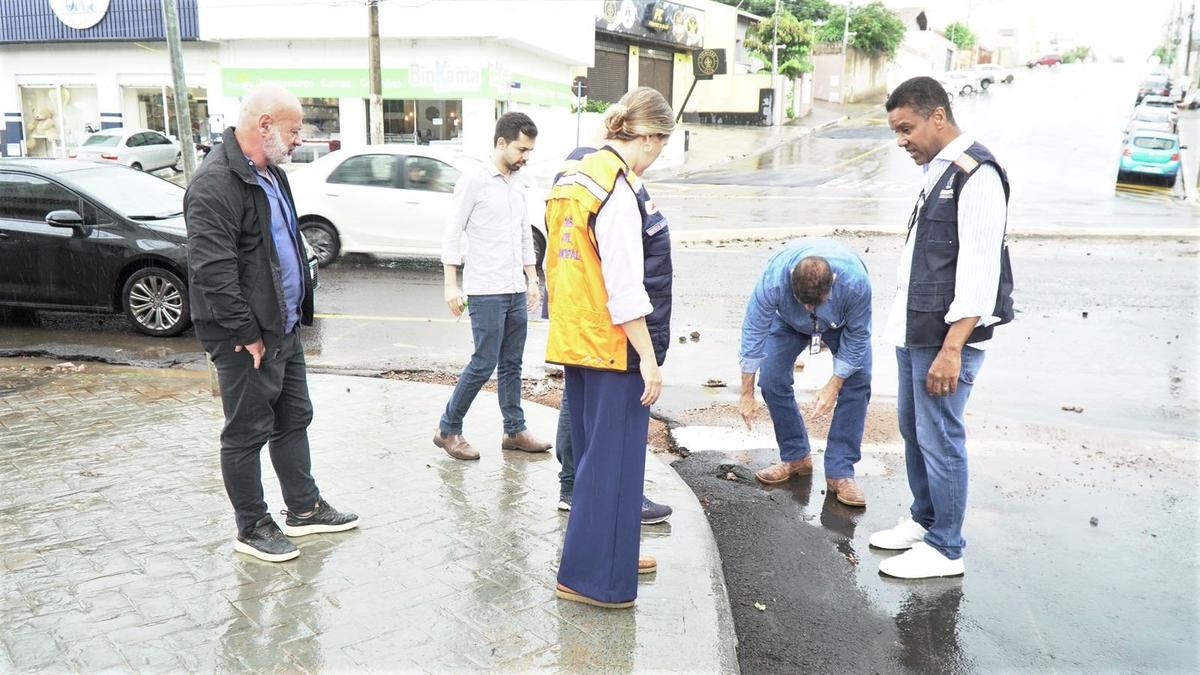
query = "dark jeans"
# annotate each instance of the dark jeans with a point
(562, 447)
(499, 324)
(843, 447)
(268, 405)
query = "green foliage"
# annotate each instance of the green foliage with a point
(795, 38)
(960, 35)
(593, 105)
(876, 28)
(1165, 54)
(814, 10)
(1077, 54)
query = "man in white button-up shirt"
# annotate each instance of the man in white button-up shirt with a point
(500, 285)
(953, 287)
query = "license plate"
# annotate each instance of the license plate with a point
(1149, 169)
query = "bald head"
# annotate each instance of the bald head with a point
(266, 99)
(268, 127)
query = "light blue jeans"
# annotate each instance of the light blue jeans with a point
(935, 445)
(499, 324)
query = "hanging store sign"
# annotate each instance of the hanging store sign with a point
(657, 20)
(80, 14)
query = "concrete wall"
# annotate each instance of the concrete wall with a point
(728, 93)
(859, 77)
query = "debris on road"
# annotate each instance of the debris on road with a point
(1095, 521)
(760, 607)
(1072, 408)
(714, 382)
(1085, 315)
(730, 471)
(695, 336)
(682, 339)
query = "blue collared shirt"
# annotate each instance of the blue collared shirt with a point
(848, 306)
(283, 232)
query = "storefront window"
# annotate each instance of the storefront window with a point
(155, 109)
(409, 121)
(58, 118)
(321, 119)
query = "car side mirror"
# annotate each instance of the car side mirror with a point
(65, 218)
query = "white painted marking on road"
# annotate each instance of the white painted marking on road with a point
(367, 317)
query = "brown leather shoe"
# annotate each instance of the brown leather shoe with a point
(783, 471)
(455, 445)
(647, 564)
(846, 491)
(566, 593)
(523, 441)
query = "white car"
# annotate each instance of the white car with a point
(959, 82)
(384, 200)
(1147, 118)
(142, 149)
(990, 73)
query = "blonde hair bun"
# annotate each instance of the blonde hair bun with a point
(641, 112)
(614, 118)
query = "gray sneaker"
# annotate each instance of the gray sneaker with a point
(324, 518)
(264, 541)
(653, 513)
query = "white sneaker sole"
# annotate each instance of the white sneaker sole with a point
(563, 506)
(303, 530)
(263, 555)
(656, 521)
(910, 575)
(894, 546)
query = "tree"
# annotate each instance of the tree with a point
(876, 28)
(1077, 54)
(795, 39)
(814, 10)
(960, 35)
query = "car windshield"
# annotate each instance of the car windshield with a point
(102, 140)
(1152, 143)
(133, 194)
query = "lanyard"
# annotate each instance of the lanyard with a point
(912, 220)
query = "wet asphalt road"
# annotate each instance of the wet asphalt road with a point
(1046, 590)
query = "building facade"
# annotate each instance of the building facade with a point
(449, 67)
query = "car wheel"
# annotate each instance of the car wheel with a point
(1170, 180)
(323, 240)
(156, 302)
(136, 165)
(1008, 80)
(984, 84)
(178, 165)
(966, 91)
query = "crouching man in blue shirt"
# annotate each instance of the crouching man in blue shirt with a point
(814, 290)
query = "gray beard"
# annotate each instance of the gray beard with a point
(276, 150)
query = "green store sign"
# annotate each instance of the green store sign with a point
(438, 82)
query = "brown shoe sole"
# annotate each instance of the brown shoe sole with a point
(437, 440)
(565, 593)
(790, 476)
(847, 502)
(648, 570)
(513, 446)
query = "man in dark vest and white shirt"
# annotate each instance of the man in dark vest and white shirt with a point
(953, 287)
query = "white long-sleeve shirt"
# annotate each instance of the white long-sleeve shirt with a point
(490, 208)
(622, 260)
(982, 214)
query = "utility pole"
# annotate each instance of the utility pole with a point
(183, 116)
(776, 103)
(845, 45)
(376, 106)
(1187, 63)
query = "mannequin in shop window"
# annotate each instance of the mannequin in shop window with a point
(43, 134)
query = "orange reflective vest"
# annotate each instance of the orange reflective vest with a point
(582, 332)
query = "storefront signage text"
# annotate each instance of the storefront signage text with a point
(657, 20)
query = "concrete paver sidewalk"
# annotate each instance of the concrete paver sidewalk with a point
(118, 537)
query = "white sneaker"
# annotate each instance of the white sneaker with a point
(922, 561)
(901, 537)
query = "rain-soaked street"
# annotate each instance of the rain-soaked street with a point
(1084, 426)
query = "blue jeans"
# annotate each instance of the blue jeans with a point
(935, 445)
(498, 324)
(562, 447)
(776, 377)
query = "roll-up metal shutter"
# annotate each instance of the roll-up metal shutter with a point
(609, 79)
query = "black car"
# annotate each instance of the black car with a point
(84, 236)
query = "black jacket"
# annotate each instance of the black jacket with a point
(234, 279)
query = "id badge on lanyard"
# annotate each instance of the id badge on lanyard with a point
(814, 344)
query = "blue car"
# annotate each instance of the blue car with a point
(1150, 153)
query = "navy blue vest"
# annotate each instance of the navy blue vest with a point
(935, 257)
(657, 271)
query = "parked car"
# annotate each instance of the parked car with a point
(958, 82)
(1151, 154)
(1191, 101)
(385, 200)
(141, 149)
(990, 73)
(1048, 60)
(970, 75)
(312, 150)
(1155, 85)
(1151, 119)
(95, 237)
